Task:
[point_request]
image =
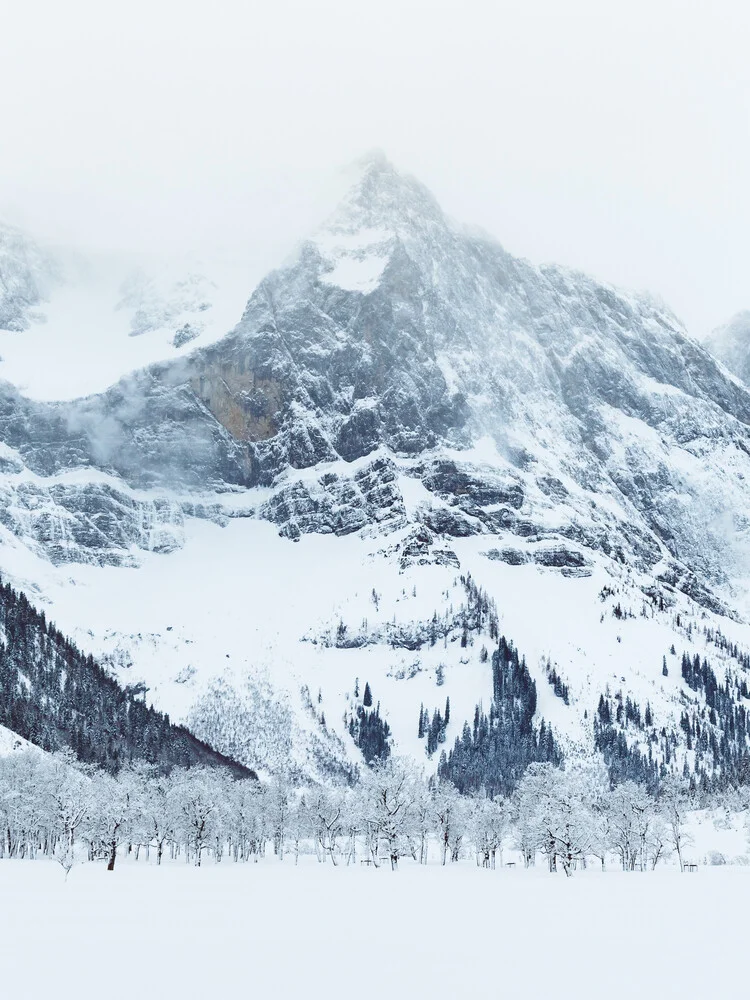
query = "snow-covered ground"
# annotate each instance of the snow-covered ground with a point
(10, 742)
(275, 931)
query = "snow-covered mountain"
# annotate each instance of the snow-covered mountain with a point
(411, 405)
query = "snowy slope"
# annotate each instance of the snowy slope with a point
(73, 323)
(10, 742)
(245, 606)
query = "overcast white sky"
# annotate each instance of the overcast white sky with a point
(609, 136)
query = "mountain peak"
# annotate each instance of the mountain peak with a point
(383, 198)
(373, 159)
(382, 210)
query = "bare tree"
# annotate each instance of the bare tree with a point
(390, 789)
(446, 806)
(674, 803)
(196, 802)
(489, 825)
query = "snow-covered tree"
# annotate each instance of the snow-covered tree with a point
(489, 821)
(109, 814)
(553, 805)
(327, 809)
(449, 817)
(390, 790)
(630, 814)
(674, 803)
(196, 796)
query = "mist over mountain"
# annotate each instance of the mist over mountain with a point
(731, 345)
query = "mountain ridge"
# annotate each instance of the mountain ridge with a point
(314, 373)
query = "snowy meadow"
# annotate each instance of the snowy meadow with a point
(271, 930)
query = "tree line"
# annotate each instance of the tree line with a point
(51, 805)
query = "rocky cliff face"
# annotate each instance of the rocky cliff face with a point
(531, 404)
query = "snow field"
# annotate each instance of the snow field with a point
(82, 340)
(273, 930)
(236, 601)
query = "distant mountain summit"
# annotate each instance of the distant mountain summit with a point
(731, 345)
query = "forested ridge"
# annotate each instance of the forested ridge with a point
(55, 696)
(494, 754)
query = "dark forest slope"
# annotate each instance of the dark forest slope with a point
(55, 696)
